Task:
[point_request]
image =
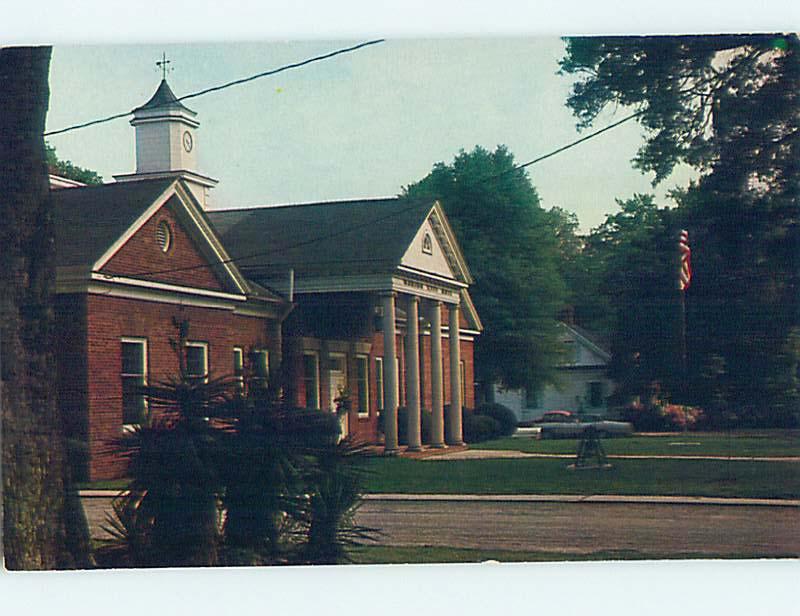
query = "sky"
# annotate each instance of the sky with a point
(357, 125)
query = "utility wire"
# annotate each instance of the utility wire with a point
(314, 240)
(396, 213)
(222, 86)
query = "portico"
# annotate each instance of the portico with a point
(385, 299)
(421, 314)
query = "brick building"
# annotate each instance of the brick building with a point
(348, 266)
(137, 257)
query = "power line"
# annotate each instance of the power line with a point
(383, 218)
(223, 86)
(300, 244)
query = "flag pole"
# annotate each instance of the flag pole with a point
(684, 279)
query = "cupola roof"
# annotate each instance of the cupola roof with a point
(163, 97)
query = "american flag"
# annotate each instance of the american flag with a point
(685, 272)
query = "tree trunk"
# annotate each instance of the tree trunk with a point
(35, 532)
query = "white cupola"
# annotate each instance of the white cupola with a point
(166, 142)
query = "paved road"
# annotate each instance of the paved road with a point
(582, 528)
(575, 528)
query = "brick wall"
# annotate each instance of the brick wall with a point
(109, 319)
(141, 253)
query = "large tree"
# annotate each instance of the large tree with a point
(40, 521)
(512, 251)
(728, 106)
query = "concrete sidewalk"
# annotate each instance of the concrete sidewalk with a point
(492, 454)
(588, 498)
(547, 498)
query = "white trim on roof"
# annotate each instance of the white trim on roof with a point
(161, 286)
(188, 212)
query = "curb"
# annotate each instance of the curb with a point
(591, 498)
(549, 498)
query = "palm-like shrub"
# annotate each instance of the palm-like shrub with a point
(329, 525)
(220, 478)
(169, 513)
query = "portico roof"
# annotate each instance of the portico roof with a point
(337, 238)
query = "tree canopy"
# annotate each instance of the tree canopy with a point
(512, 251)
(728, 106)
(66, 169)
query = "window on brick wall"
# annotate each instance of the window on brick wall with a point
(238, 369)
(197, 360)
(259, 360)
(311, 380)
(362, 380)
(379, 382)
(134, 376)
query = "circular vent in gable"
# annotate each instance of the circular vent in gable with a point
(164, 236)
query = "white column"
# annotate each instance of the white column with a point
(412, 374)
(437, 391)
(454, 431)
(390, 380)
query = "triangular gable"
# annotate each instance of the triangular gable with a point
(446, 253)
(196, 258)
(425, 253)
(592, 353)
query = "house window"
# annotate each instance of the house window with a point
(311, 380)
(238, 369)
(595, 394)
(533, 398)
(197, 360)
(427, 244)
(134, 376)
(362, 380)
(379, 382)
(259, 361)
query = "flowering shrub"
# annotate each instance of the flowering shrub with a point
(682, 416)
(660, 416)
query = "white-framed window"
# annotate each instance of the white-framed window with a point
(311, 379)
(259, 363)
(595, 393)
(379, 382)
(532, 398)
(197, 360)
(362, 384)
(238, 369)
(133, 373)
(427, 244)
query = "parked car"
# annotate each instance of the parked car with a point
(566, 424)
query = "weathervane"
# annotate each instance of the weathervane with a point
(163, 65)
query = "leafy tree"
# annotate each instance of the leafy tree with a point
(43, 523)
(727, 105)
(633, 253)
(66, 169)
(512, 251)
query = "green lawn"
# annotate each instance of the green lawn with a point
(551, 476)
(767, 443)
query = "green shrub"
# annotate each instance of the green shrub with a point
(479, 428)
(502, 414)
(402, 425)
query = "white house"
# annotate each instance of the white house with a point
(583, 384)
